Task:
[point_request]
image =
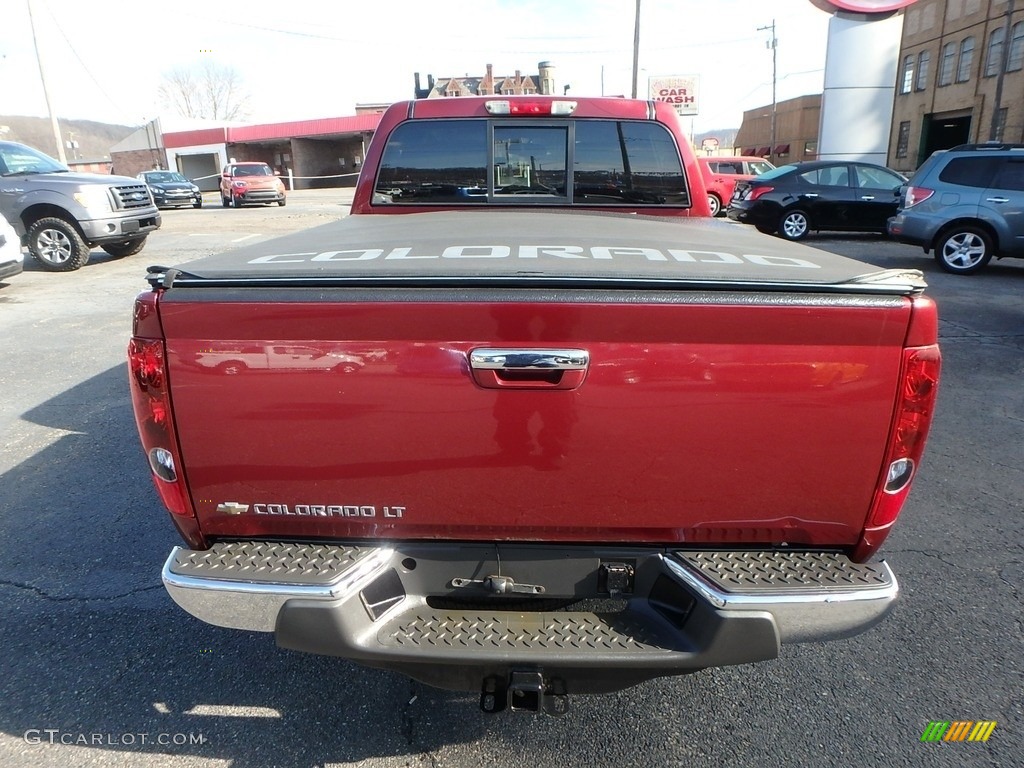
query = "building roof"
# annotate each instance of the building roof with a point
(273, 131)
(471, 86)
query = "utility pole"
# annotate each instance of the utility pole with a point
(773, 44)
(997, 107)
(46, 94)
(636, 47)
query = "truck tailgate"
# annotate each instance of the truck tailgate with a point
(701, 416)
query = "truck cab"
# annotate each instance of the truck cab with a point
(616, 155)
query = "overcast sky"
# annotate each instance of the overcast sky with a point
(303, 59)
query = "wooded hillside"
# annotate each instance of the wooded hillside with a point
(94, 139)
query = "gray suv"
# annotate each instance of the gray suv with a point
(967, 205)
(61, 215)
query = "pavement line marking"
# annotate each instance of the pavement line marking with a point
(240, 239)
(227, 710)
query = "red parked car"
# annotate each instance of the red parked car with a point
(245, 183)
(722, 173)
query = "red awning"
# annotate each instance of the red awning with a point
(750, 151)
(782, 149)
(763, 151)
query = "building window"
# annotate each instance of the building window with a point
(903, 139)
(946, 68)
(994, 56)
(963, 71)
(924, 59)
(907, 81)
(810, 149)
(1016, 47)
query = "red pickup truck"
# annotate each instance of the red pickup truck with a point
(581, 449)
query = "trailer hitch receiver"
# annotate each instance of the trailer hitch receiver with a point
(524, 691)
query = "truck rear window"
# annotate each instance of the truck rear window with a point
(508, 162)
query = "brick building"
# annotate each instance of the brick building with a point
(961, 78)
(796, 131)
(487, 84)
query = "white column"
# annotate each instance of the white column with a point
(861, 65)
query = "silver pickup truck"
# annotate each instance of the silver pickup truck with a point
(62, 215)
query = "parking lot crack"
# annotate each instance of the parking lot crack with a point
(935, 555)
(74, 598)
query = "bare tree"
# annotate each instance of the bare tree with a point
(208, 91)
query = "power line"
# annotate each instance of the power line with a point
(119, 107)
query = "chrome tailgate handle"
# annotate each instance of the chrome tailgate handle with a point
(530, 359)
(529, 368)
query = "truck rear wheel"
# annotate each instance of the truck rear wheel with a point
(56, 244)
(125, 248)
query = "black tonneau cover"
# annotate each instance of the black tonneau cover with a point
(537, 248)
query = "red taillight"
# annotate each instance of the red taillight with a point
(756, 192)
(916, 405)
(147, 378)
(916, 195)
(920, 385)
(153, 418)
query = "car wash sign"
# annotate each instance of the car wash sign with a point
(678, 90)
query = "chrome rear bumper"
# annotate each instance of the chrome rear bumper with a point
(595, 618)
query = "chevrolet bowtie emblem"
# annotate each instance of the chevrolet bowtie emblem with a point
(232, 508)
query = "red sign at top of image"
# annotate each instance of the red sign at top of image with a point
(675, 96)
(678, 90)
(862, 6)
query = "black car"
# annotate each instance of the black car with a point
(794, 200)
(170, 189)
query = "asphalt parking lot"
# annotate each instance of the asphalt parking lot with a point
(100, 668)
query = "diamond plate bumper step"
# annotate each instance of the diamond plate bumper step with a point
(406, 606)
(781, 572)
